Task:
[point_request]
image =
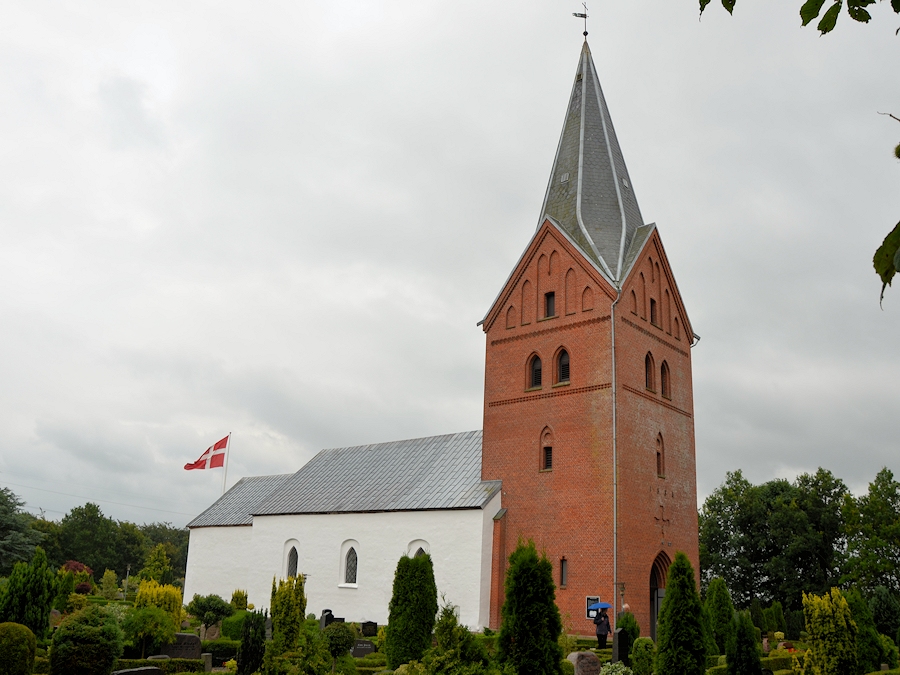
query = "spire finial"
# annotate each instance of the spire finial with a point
(584, 16)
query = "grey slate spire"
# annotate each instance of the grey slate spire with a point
(590, 194)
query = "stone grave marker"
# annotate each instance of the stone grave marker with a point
(615, 654)
(186, 646)
(362, 648)
(369, 629)
(586, 663)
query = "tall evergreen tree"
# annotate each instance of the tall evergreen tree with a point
(17, 539)
(29, 594)
(742, 653)
(412, 610)
(721, 612)
(757, 616)
(681, 649)
(869, 652)
(885, 611)
(529, 633)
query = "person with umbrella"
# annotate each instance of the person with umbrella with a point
(601, 621)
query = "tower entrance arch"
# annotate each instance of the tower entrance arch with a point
(658, 573)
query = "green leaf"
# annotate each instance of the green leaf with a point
(810, 10)
(826, 25)
(896, 5)
(729, 5)
(704, 3)
(856, 11)
(885, 257)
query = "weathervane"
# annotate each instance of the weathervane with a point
(583, 16)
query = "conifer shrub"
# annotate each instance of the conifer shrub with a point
(680, 648)
(832, 634)
(643, 652)
(794, 624)
(109, 585)
(288, 611)
(456, 651)
(742, 653)
(153, 594)
(885, 610)
(17, 647)
(239, 599)
(775, 617)
(86, 643)
(29, 594)
(721, 612)
(412, 610)
(709, 639)
(63, 588)
(631, 631)
(757, 616)
(869, 652)
(253, 643)
(531, 624)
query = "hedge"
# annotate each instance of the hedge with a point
(41, 666)
(168, 666)
(774, 663)
(231, 626)
(222, 650)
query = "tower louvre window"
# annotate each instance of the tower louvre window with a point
(563, 367)
(549, 304)
(653, 317)
(548, 458)
(665, 381)
(534, 376)
(563, 572)
(649, 374)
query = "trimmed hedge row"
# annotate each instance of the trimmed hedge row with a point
(170, 666)
(222, 650)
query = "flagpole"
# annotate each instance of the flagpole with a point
(227, 453)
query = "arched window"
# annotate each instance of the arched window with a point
(562, 366)
(350, 567)
(546, 449)
(660, 457)
(650, 372)
(292, 562)
(534, 372)
(664, 382)
(633, 302)
(511, 317)
(654, 319)
(677, 329)
(420, 552)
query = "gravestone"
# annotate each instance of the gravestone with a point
(362, 648)
(586, 663)
(207, 662)
(159, 657)
(326, 618)
(616, 636)
(369, 629)
(186, 646)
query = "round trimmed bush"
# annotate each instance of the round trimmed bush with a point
(17, 645)
(643, 651)
(86, 643)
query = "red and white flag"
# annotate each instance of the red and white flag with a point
(213, 458)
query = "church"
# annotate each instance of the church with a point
(587, 446)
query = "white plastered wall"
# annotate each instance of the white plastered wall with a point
(217, 561)
(459, 542)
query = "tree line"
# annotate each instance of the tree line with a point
(86, 535)
(774, 541)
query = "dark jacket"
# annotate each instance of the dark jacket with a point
(602, 623)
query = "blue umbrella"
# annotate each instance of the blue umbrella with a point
(600, 605)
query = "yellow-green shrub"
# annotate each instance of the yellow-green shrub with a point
(153, 594)
(832, 635)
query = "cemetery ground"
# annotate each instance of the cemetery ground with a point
(841, 618)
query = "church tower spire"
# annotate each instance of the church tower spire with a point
(590, 195)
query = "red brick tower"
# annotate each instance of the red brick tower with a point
(588, 402)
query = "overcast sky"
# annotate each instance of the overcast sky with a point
(284, 219)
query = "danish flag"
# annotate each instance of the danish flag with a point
(213, 458)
